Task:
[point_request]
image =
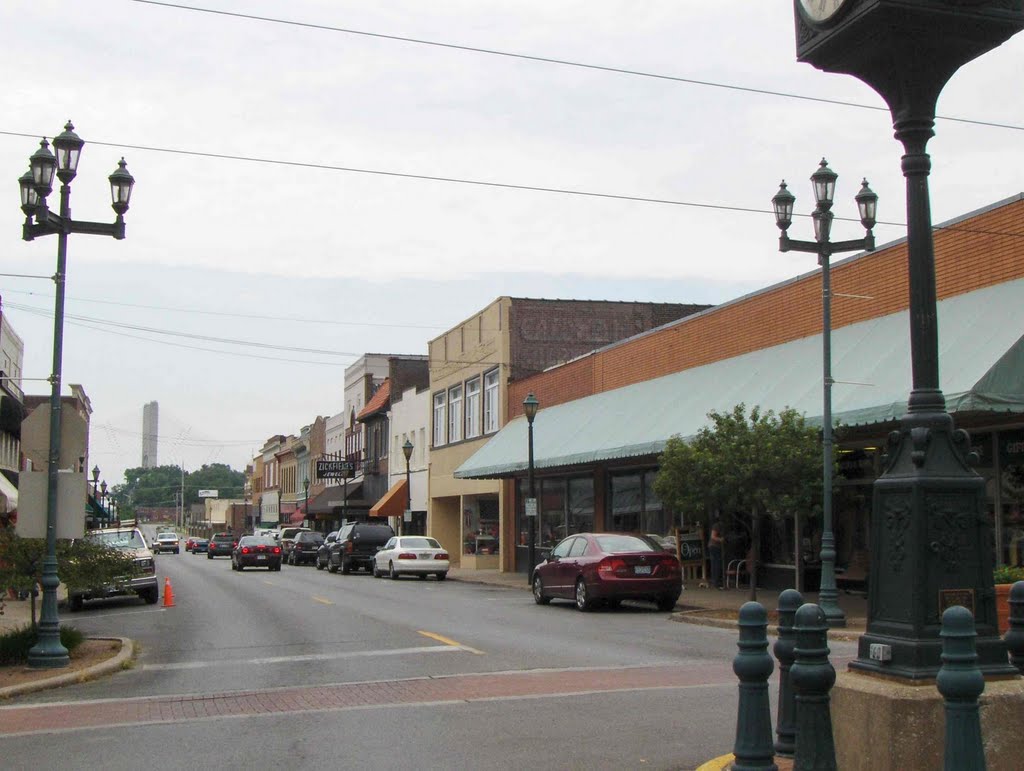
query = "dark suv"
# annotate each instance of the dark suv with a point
(356, 546)
(304, 548)
(221, 545)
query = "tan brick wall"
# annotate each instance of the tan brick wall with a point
(981, 251)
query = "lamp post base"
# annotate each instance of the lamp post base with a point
(48, 652)
(930, 549)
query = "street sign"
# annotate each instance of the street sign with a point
(531, 507)
(335, 469)
(407, 515)
(208, 493)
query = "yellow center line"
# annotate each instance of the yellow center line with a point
(321, 599)
(449, 641)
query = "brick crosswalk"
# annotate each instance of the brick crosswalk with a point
(70, 716)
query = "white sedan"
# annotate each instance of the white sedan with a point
(412, 554)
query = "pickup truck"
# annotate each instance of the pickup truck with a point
(143, 583)
(167, 541)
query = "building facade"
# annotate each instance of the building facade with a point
(605, 418)
(471, 366)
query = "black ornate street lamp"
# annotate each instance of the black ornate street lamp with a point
(95, 480)
(930, 539)
(530, 405)
(103, 503)
(824, 184)
(35, 186)
(407, 451)
(305, 504)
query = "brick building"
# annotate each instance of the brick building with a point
(471, 366)
(605, 417)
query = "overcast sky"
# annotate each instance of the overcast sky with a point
(289, 253)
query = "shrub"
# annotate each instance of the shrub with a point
(1004, 574)
(15, 645)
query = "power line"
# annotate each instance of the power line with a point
(551, 60)
(200, 311)
(221, 352)
(190, 336)
(480, 183)
(421, 177)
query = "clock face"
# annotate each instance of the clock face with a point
(821, 10)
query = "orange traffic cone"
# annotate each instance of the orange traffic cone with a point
(168, 593)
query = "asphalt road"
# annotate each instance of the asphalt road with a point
(312, 669)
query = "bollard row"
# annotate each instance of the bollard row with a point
(806, 677)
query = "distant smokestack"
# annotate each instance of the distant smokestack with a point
(150, 434)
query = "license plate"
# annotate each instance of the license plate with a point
(642, 570)
(261, 556)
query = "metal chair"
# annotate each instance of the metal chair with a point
(736, 569)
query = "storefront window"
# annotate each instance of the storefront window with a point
(552, 512)
(480, 527)
(636, 508)
(657, 519)
(627, 503)
(581, 505)
(1011, 489)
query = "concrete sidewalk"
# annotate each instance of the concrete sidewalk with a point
(18, 613)
(711, 607)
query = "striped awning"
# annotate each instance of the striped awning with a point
(981, 359)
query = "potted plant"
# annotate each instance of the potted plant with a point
(1005, 577)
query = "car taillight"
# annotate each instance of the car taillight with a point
(441, 556)
(348, 546)
(615, 565)
(672, 566)
(245, 550)
(407, 555)
(277, 550)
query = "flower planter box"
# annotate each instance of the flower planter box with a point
(1003, 606)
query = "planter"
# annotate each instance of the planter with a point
(1003, 606)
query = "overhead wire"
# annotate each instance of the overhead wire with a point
(551, 60)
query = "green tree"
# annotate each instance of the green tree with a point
(81, 564)
(745, 466)
(162, 486)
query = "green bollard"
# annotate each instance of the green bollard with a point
(961, 683)
(753, 666)
(1014, 637)
(785, 724)
(812, 677)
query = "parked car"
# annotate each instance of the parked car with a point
(143, 583)
(167, 541)
(189, 543)
(668, 543)
(412, 554)
(200, 545)
(356, 546)
(221, 545)
(608, 567)
(256, 551)
(287, 538)
(304, 548)
(323, 553)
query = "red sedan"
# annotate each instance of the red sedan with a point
(592, 568)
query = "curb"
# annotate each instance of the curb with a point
(78, 676)
(691, 617)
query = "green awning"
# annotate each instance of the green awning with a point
(981, 359)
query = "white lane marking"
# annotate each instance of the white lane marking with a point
(306, 657)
